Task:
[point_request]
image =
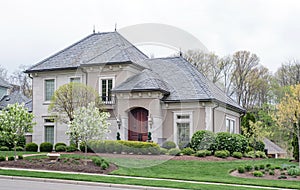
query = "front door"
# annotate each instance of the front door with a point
(138, 124)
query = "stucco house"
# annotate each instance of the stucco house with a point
(168, 97)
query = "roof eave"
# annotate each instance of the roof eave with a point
(142, 90)
(51, 69)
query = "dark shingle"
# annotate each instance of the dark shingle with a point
(98, 48)
(16, 97)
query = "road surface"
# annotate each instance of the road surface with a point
(9, 184)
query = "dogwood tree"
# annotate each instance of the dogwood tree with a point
(88, 124)
(15, 121)
(288, 113)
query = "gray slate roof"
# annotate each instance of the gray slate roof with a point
(16, 97)
(97, 48)
(3, 83)
(180, 79)
(273, 148)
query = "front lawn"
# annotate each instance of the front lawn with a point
(209, 171)
(11, 153)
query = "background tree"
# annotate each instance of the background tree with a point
(21, 81)
(88, 124)
(288, 113)
(3, 73)
(15, 121)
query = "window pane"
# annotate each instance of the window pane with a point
(49, 89)
(49, 134)
(183, 117)
(183, 133)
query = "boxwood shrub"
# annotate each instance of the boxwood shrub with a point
(187, 151)
(46, 147)
(4, 148)
(168, 145)
(231, 142)
(203, 140)
(31, 147)
(71, 148)
(2, 158)
(200, 153)
(100, 162)
(174, 152)
(19, 148)
(238, 155)
(11, 158)
(60, 148)
(258, 174)
(59, 144)
(222, 153)
(163, 151)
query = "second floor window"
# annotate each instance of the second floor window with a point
(106, 84)
(49, 89)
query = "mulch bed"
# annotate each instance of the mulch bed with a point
(64, 164)
(266, 175)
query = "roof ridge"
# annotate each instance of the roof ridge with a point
(64, 49)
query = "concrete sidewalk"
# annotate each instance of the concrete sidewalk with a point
(124, 177)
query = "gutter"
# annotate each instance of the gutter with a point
(213, 116)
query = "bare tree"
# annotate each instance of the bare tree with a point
(21, 81)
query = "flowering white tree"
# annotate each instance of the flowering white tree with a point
(15, 121)
(88, 123)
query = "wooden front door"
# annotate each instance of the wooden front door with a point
(138, 124)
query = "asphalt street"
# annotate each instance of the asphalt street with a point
(9, 184)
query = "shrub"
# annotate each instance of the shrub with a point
(282, 177)
(231, 142)
(71, 148)
(110, 146)
(60, 148)
(257, 145)
(82, 147)
(46, 147)
(200, 153)
(174, 151)
(271, 172)
(221, 154)
(258, 174)
(19, 148)
(208, 152)
(100, 162)
(241, 169)
(11, 158)
(203, 140)
(183, 145)
(4, 148)
(256, 167)
(260, 154)
(248, 168)
(294, 171)
(20, 157)
(238, 155)
(2, 158)
(169, 145)
(262, 166)
(268, 165)
(59, 144)
(155, 150)
(31, 147)
(187, 151)
(163, 151)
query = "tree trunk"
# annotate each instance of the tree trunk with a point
(298, 136)
(85, 153)
(15, 151)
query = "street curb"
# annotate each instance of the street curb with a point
(83, 183)
(130, 177)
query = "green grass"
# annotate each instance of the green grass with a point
(173, 169)
(11, 153)
(115, 180)
(200, 171)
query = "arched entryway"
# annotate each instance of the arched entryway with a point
(138, 124)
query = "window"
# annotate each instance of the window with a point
(182, 127)
(75, 79)
(49, 134)
(230, 125)
(106, 84)
(49, 89)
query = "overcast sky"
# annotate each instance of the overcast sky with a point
(32, 30)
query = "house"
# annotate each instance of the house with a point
(4, 87)
(273, 150)
(165, 97)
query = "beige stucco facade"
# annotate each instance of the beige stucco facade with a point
(162, 118)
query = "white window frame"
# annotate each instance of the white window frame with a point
(44, 88)
(176, 120)
(100, 85)
(228, 128)
(49, 124)
(72, 77)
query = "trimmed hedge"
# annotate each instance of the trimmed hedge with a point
(129, 147)
(59, 144)
(203, 140)
(174, 152)
(2, 158)
(46, 147)
(168, 145)
(60, 148)
(71, 148)
(222, 153)
(31, 147)
(187, 151)
(4, 148)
